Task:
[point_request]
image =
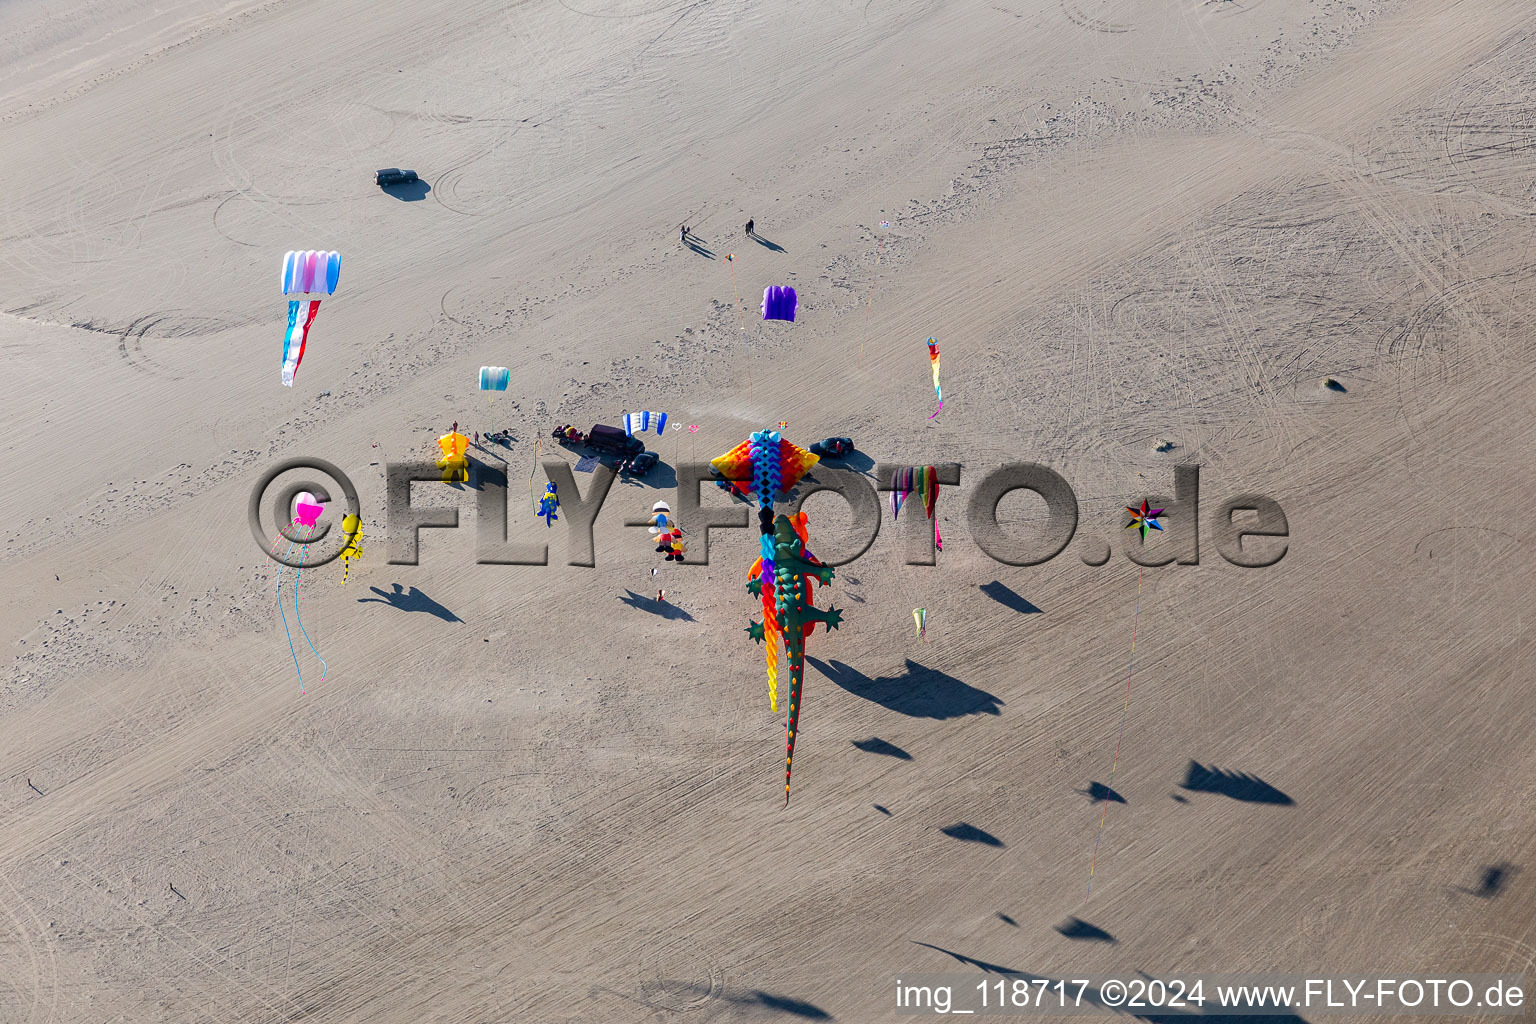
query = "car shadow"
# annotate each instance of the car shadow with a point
(854, 460)
(409, 192)
(661, 476)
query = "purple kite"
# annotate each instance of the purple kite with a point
(780, 303)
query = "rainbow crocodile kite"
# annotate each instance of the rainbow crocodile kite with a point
(794, 614)
(767, 465)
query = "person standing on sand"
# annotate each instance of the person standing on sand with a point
(682, 234)
(749, 227)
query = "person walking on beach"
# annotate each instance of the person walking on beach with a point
(682, 234)
(749, 227)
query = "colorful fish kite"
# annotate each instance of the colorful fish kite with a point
(1144, 519)
(308, 273)
(933, 357)
(780, 303)
(549, 504)
(640, 422)
(920, 616)
(925, 481)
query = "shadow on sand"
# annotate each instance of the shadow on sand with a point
(919, 692)
(968, 833)
(1237, 785)
(1097, 792)
(1077, 928)
(1004, 595)
(876, 745)
(695, 245)
(665, 609)
(411, 192)
(411, 600)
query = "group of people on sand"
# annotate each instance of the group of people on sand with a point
(683, 231)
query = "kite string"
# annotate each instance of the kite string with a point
(284, 614)
(297, 618)
(871, 301)
(1130, 672)
(741, 316)
(536, 442)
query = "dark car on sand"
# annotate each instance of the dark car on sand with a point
(393, 176)
(833, 447)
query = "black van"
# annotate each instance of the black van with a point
(613, 441)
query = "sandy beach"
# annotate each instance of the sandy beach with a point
(1143, 235)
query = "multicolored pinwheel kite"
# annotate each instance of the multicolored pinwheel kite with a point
(1144, 519)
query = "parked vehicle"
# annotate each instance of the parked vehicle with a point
(613, 441)
(833, 447)
(643, 463)
(393, 176)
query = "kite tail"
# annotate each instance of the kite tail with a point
(286, 631)
(773, 671)
(300, 621)
(796, 680)
(938, 410)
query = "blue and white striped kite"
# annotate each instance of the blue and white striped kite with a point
(640, 422)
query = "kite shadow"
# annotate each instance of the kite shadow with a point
(919, 692)
(1077, 928)
(760, 240)
(753, 998)
(876, 745)
(1494, 878)
(1097, 792)
(694, 245)
(1006, 596)
(1237, 785)
(409, 192)
(412, 600)
(968, 960)
(655, 607)
(968, 833)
